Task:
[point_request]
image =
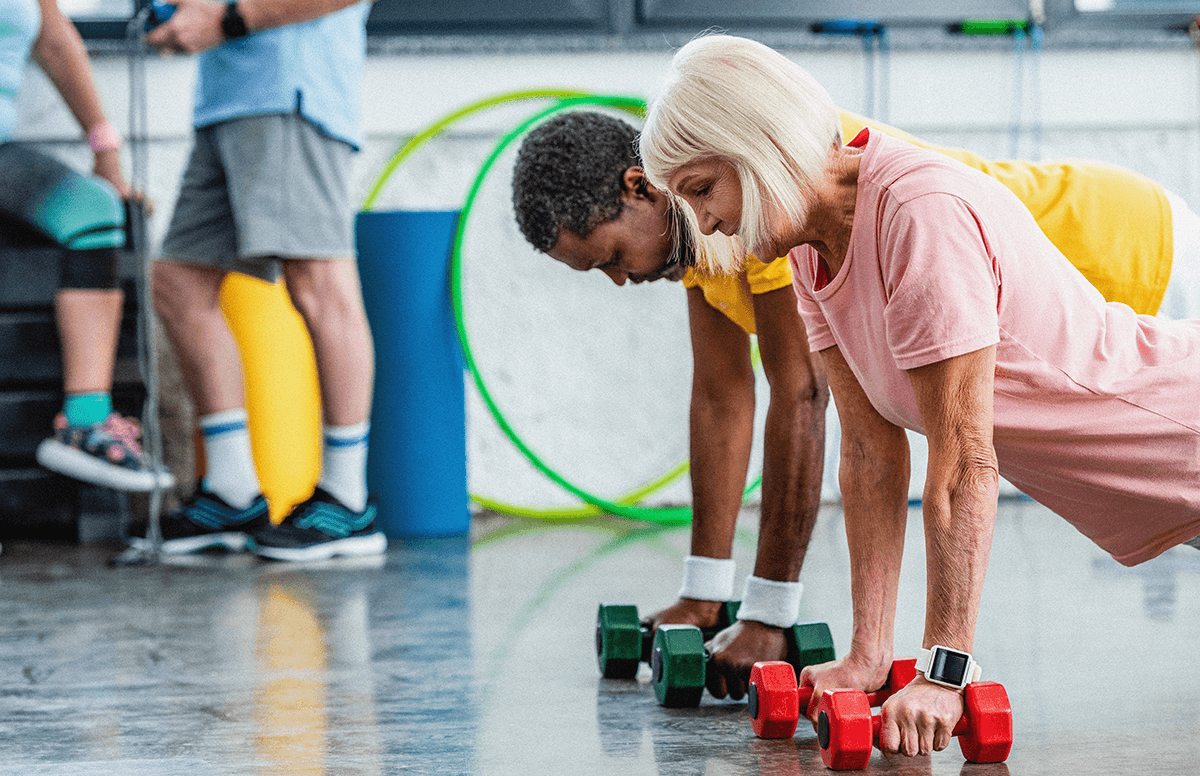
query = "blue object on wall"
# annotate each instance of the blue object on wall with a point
(417, 466)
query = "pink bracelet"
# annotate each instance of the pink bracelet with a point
(104, 137)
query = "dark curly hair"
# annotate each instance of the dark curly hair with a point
(568, 174)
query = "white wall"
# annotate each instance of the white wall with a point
(594, 378)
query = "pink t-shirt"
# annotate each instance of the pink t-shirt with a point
(1097, 409)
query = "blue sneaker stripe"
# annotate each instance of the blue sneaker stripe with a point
(334, 521)
(330, 525)
(205, 515)
(211, 514)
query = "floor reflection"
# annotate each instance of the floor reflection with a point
(289, 699)
(222, 664)
(477, 657)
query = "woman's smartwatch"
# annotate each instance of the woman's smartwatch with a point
(948, 667)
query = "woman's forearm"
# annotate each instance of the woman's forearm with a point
(955, 398)
(874, 474)
(60, 52)
(958, 538)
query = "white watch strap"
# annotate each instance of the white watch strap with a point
(925, 657)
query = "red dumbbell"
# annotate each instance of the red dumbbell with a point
(847, 731)
(776, 702)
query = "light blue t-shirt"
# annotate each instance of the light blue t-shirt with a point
(20, 21)
(314, 67)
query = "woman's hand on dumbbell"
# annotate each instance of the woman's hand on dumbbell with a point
(850, 672)
(734, 652)
(919, 719)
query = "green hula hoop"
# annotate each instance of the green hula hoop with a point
(437, 127)
(665, 516)
(594, 505)
(623, 507)
(428, 133)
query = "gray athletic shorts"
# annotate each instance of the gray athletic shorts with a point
(260, 189)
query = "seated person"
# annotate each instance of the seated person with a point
(86, 217)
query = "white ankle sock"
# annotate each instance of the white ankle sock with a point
(344, 464)
(230, 464)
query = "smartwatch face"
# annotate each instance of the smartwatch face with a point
(949, 667)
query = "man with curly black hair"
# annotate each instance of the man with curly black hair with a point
(581, 197)
(572, 177)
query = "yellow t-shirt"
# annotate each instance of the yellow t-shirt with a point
(1112, 224)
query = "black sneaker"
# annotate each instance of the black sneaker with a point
(106, 454)
(319, 528)
(205, 521)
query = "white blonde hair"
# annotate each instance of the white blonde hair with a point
(739, 101)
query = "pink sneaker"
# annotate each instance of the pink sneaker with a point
(107, 454)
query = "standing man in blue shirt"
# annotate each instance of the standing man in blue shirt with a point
(267, 192)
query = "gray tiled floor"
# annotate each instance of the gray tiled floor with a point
(457, 656)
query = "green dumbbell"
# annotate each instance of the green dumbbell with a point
(623, 642)
(679, 662)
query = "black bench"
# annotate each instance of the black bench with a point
(36, 503)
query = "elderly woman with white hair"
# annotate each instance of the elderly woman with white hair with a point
(937, 305)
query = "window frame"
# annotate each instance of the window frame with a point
(1062, 14)
(625, 20)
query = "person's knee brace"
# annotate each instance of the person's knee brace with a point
(91, 226)
(84, 214)
(74, 210)
(95, 268)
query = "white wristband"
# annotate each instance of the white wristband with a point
(771, 602)
(707, 579)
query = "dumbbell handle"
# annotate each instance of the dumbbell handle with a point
(961, 728)
(901, 673)
(874, 698)
(726, 616)
(781, 709)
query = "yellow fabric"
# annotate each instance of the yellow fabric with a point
(283, 398)
(1112, 224)
(731, 294)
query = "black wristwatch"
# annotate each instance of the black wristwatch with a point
(233, 26)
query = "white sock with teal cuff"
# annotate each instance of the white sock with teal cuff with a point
(344, 464)
(230, 464)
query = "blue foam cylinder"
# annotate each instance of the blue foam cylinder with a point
(417, 465)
